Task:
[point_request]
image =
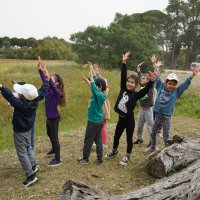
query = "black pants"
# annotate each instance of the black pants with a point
(93, 134)
(127, 123)
(52, 131)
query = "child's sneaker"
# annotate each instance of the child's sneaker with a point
(124, 160)
(99, 161)
(50, 153)
(83, 161)
(35, 169)
(151, 150)
(138, 141)
(30, 180)
(112, 153)
(54, 163)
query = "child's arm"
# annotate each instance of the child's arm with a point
(44, 74)
(106, 110)
(43, 90)
(148, 86)
(85, 79)
(124, 70)
(57, 92)
(185, 84)
(139, 70)
(8, 95)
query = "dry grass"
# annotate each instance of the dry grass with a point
(109, 177)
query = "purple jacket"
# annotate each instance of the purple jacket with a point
(52, 98)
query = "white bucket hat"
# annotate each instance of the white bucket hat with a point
(172, 76)
(27, 90)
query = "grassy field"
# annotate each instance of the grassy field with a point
(110, 177)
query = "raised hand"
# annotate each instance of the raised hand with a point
(153, 75)
(125, 57)
(158, 63)
(96, 69)
(153, 58)
(196, 70)
(139, 65)
(91, 66)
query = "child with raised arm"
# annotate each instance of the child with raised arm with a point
(146, 112)
(55, 96)
(106, 108)
(95, 119)
(167, 95)
(25, 105)
(124, 106)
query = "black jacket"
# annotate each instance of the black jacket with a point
(127, 99)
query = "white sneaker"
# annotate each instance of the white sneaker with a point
(124, 161)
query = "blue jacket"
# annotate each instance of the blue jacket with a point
(24, 111)
(166, 100)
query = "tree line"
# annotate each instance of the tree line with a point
(48, 48)
(174, 36)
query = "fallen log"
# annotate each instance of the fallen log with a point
(183, 185)
(179, 155)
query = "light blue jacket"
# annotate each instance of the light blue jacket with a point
(166, 100)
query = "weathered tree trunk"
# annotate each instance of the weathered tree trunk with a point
(185, 184)
(174, 157)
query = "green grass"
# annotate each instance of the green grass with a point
(73, 115)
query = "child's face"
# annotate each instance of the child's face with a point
(130, 84)
(143, 80)
(171, 85)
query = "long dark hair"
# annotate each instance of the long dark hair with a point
(60, 86)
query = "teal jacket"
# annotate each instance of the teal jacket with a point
(95, 110)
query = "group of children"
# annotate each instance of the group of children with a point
(26, 102)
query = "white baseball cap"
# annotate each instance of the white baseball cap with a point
(172, 76)
(27, 90)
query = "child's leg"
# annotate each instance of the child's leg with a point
(130, 125)
(103, 133)
(32, 136)
(48, 122)
(54, 124)
(141, 121)
(166, 128)
(121, 124)
(91, 131)
(157, 125)
(98, 141)
(149, 120)
(22, 143)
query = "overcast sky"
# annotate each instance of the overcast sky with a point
(41, 18)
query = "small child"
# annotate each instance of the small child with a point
(146, 111)
(167, 95)
(95, 119)
(124, 106)
(55, 96)
(106, 107)
(25, 105)
(106, 110)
